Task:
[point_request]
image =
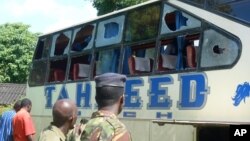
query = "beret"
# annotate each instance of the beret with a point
(110, 79)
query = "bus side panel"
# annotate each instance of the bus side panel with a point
(172, 132)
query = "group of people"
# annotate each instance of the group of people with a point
(104, 124)
(17, 124)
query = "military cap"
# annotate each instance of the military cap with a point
(110, 79)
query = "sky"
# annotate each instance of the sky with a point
(46, 15)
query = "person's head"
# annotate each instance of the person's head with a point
(64, 113)
(17, 105)
(110, 90)
(27, 104)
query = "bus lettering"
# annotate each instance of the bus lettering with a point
(194, 90)
(83, 95)
(193, 93)
(132, 98)
(158, 96)
(48, 94)
(63, 93)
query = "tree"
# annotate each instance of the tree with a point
(106, 6)
(17, 45)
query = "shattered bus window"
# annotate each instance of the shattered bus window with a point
(110, 31)
(83, 38)
(60, 43)
(176, 20)
(218, 50)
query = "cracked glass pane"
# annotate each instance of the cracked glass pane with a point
(83, 38)
(110, 31)
(142, 23)
(38, 72)
(218, 50)
(107, 61)
(60, 43)
(42, 50)
(174, 20)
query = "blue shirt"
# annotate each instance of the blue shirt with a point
(6, 126)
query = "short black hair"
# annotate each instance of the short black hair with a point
(17, 105)
(25, 102)
(108, 95)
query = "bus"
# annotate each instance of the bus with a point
(186, 62)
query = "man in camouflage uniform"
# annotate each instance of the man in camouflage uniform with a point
(64, 117)
(75, 134)
(104, 124)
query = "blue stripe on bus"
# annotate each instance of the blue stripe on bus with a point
(129, 114)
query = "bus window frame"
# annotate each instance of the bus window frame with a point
(204, 25)
(86, 52)
(42, 59)
(54, 59)
(31, 70)
(95, 24)
(83, 52)
(188, 35)
(58, 57)
(226, 34)
(99, 49)
(183, 11)
(110, 18)
(157, 39)
(212, 9)
(190, 31)
(139, 9)
(67, 47)
(143, 42)
(36, 50)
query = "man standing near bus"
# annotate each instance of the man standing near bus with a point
(6, 128)
(23, 127)
(64, 118)
(104, 124)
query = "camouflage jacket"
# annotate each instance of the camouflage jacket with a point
(52, 133)
(105, 126)
(75, 134)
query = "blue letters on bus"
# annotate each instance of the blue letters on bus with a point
(83, 96)
(158, 96)
(48, 94)
(63, 93)
(193, 91)
(132, 98)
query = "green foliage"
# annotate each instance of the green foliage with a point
(107, 6)
(4, 108)
(17, 45)
(143, 23)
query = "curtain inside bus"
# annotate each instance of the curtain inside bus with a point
(108, 61)
(111, 30)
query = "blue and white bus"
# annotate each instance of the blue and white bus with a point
(186, 63)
